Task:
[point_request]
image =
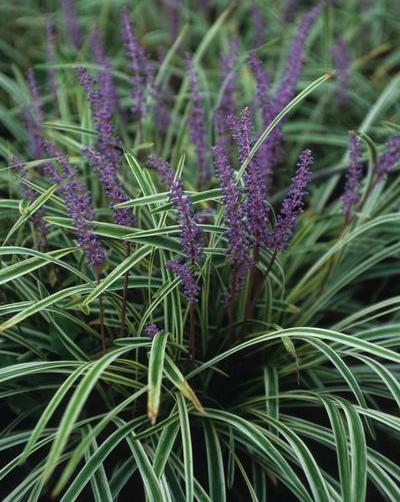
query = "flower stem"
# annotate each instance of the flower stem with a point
(262, 282)
(251, 284)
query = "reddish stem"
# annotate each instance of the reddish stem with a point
(262, 283)
(251, 283)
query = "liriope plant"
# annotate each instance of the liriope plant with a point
(199, 261)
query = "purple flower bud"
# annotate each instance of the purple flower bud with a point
(259, 32)
(238, 249)
(289, 11)
(235, 222)
(33, 117)
(340, 53)
(197, 122)
(138, 65)
(262, 86)
(191, 235)
(51, 56)
(102, 116)
(351, 195)
(388, 159)
(295, 60)
(227, 106)
(109, 179)
(292, 205)
(151, 330)
(172, 8)
(190, 288)
(106, 83)
(269, 153)
(31, 195)
(71, 20)
(257, 209)
(36, 102)
(77, 201)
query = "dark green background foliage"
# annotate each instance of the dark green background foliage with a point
(302, 402)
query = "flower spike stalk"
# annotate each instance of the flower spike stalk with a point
(197, 122)
(351, 195)
(191, 238)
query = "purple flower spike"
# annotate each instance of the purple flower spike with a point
(31, 195)
(138, 65)
(151, 330)
(233, 208)
(102, 116)
(340, 53)
(351, 195)
(257, 209)
(262, 87)
(227, 106)
(242, 133)
(37, 106)
(77, 201)
(259, 24)
(106, 83)
(290, 9)
(292, 204)
(191, 235)
(109, 179)
(33, 116)
(71, 20)
(51, 56)
(236, 233)
(197, 122)
(295, 60)
(269, 153)
(172, 8)
(190, 288)
(388, 159)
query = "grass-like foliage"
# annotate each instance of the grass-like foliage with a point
(200, 242)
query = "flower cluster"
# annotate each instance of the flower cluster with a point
(151, 330)
(259, 32)
(172, 10)
(109, 179)
(77, 201)
(51, 56)
(340, 53)
(106, 83)
(191, 235)
(269, 153)
(292, 205)
(289, 11)
(139, 66)
(30, 195)
(234, 216)
(256, 206)
(190, 288)
(388, 159)
(36, 103)
(197, 122)
(101, 114)
(295, 59)
(351, 195)
(227, 106)
(71, 20)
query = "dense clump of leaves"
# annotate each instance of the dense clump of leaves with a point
(199, 295)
